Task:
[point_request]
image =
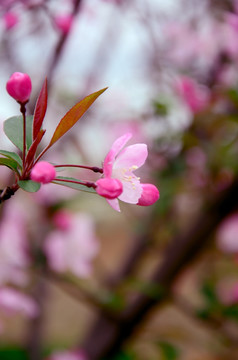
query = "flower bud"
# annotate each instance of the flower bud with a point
(63, 23)
(150, 194)
(10, 20)
(19, 87)
(43, 172)
(109, 188)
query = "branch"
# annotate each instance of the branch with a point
(108, 336)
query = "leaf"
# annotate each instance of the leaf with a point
(73, 115)
(29, 185)
(40, 110)
(34, 145)
(12, 164)
(169, 351)
(13, 128)
(73, 185)
(12, 155)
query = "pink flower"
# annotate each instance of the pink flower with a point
(120, 164)
(19, 87)
(68, 355)
(109, 188)
(43, 172)
(73, 249)
(227, 235)
(193, 94)
(150, 194)
(63, 23)
(12, 300)
(10, 20)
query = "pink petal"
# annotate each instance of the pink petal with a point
(114, 204)
(132, 190)
(133, 155)
(110, 157)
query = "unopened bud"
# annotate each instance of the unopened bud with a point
(150, 194)
(109, 188)
(43, 172)
(19, 87)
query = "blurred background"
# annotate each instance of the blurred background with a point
(78, 280)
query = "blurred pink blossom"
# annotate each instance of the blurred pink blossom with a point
(227, 234)
(13, 245)
(10, 20)
(63, 23)
(67, 355)
(12, 301)
(73, 249)
(194, 95)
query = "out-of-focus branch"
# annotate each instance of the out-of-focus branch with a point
(108, 336)
(8, 192)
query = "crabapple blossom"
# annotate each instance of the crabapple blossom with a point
(150, 194)
(227, 235)
(74, 248)
(19, 87)
(120, 164)
(12, 301)
(10, 20)
(67, 355)
(196, 97)
(109, 188)
(43, 172)
(63, 23)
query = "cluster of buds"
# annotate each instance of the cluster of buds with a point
(117, 180)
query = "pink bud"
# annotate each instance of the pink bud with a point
(19, 87)
(10, 20)
(63, 23)
(150, 194)
(109, 188)
(43, 172)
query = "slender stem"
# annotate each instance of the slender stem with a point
(23, 111)
(41, 154)
(86, 183)
(93, 168)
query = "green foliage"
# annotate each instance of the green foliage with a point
(11, 164)
(13, 128)
(12, 155)
(13, 354)
(29, 185)
(168, 351)
(73, 185)
(160, 108)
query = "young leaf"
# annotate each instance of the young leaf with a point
(12, 155)
(29, 185)
(40, 110)
(13, 128)
(73, 115)
(73, 185)
(12, 164)
(33, 148)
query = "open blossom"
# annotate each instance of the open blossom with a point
(43, 172)
(19, 87)
(74, 247)
(120, 164)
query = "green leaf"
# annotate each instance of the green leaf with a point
(13, 128)
(168, 351)
(29, 185)
(73, 185)
(12, 155)
(73, 115)
(12, 164)
(40, 110)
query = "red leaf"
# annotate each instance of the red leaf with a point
(73, 115)
(33, 147)
(40, 110)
